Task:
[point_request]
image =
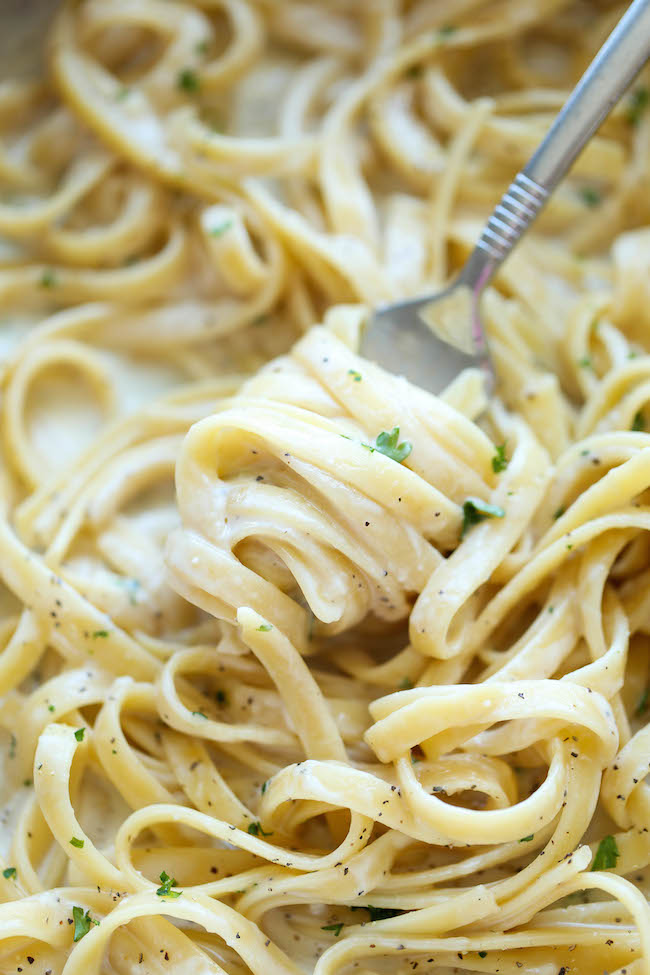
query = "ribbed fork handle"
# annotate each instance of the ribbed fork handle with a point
(617, 63)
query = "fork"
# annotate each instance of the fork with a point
(422, 334)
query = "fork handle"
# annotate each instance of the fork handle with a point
(617, 63)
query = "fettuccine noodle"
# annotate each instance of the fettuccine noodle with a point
(302, 668)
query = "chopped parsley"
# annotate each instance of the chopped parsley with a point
(221, 697)
(100, 633)
(560, 511)
(264, 785)
(638, 423)
(590, 196)
(188, 81)
(500, 461)
(355, 375)
(48, 279)
(264, 628)
(220, 228)
(82, 923)
(606, 855)
(527, 839)
(446, 31)
(199, 714)
(336, 928)
(166, 883)
(643, 701)
(405, 684)
(255, 829)
(387, 444)
(79, 734)
(75, 841)
(585, 362)
(636, 106)
(9, 873)
(379, 913)
(51, 707)
(476, 510)
(482, 954)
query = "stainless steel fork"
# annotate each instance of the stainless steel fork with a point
(430, 339)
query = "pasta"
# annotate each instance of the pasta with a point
(301, 667)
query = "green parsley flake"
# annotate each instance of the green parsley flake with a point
(387, 444)
(606, 855)
(220, 229)
(264, 628)
(336, 928)
(82, 923)
(48, 279)
(255, 829)
(199, 714)
(355, 375)
(527, 839)
(75, 841)
(638, 423)
(560, 511)
(405, 684)
(221, 697)
(446, 31)
(379, 913)
(9, 873)
(590, 196)
(79, 734)
(500, 461)
(51, 707)
(585, 362)
(476, 510)
(636, 106)
(100, 633)
(188, 81)
(166, 883)
(264, 785)
(643, 701)
(482, 954)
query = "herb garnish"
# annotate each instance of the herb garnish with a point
(187, 80)
(75, 841)
(9, 873)
(220, 228)
(387, 444)
(637, 104)
(336, 928)
(606, 855)
(590, 196)
(500, 461)
(255, 829)
(379, 913)
(476, 510)
(166, 883)
(82, 923)
(79, 734)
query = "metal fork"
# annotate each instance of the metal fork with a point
(422, 335)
